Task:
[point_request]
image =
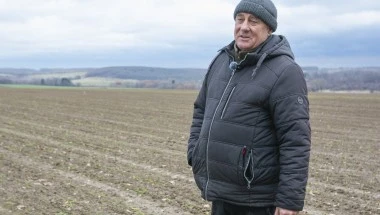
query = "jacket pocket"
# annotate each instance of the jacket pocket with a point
(241, 165)
(249, 170)
(226, 105)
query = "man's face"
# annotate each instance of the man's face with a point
(250, 31)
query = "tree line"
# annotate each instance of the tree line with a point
(66, 82)
(346, 80)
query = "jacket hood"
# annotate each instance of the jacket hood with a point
(274, 46)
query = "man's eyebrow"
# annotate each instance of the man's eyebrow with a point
(252, 17)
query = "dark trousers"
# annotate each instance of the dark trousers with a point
(223, 208)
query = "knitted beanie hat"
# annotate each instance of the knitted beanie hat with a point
(262, 9)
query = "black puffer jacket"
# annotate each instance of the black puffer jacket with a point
(250, 137)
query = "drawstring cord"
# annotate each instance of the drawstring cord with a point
(258, 65)
(236, 65)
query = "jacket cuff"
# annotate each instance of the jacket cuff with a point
(290, 204)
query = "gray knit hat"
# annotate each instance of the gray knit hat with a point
(262, 9)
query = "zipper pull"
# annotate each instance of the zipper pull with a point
(244, 151)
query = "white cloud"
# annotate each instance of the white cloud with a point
(319, 19)
(59, 26)
(67, 25)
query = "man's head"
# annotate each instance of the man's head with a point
(262, 9)
(255, 20)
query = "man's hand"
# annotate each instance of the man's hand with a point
(281, 211)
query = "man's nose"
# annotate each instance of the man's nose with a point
(245, 26)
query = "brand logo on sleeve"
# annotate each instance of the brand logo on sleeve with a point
(300, 100)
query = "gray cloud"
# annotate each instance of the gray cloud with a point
(67, 28)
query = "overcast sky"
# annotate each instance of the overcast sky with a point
(177, 33)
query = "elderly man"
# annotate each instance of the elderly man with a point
(249, 142)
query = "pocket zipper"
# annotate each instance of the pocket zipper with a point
(249, 164)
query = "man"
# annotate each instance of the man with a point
(249, 142)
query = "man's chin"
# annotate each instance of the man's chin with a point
(243, 46)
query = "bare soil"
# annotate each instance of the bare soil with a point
(103, 151)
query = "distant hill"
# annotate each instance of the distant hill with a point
(27, 71)
(122, 76)
(365, 78)
(148, 73)
(121, 72)
(12, 71)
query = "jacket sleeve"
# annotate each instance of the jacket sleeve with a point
(198, 114)
(290, 111)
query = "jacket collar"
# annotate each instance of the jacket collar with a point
(275, 45)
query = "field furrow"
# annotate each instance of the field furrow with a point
(102, 151)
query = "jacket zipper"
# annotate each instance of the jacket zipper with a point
(209, 131)
(228, 100)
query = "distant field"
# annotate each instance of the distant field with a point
(100, 151)
(102, 82)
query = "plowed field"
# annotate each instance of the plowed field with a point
(100, 151)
